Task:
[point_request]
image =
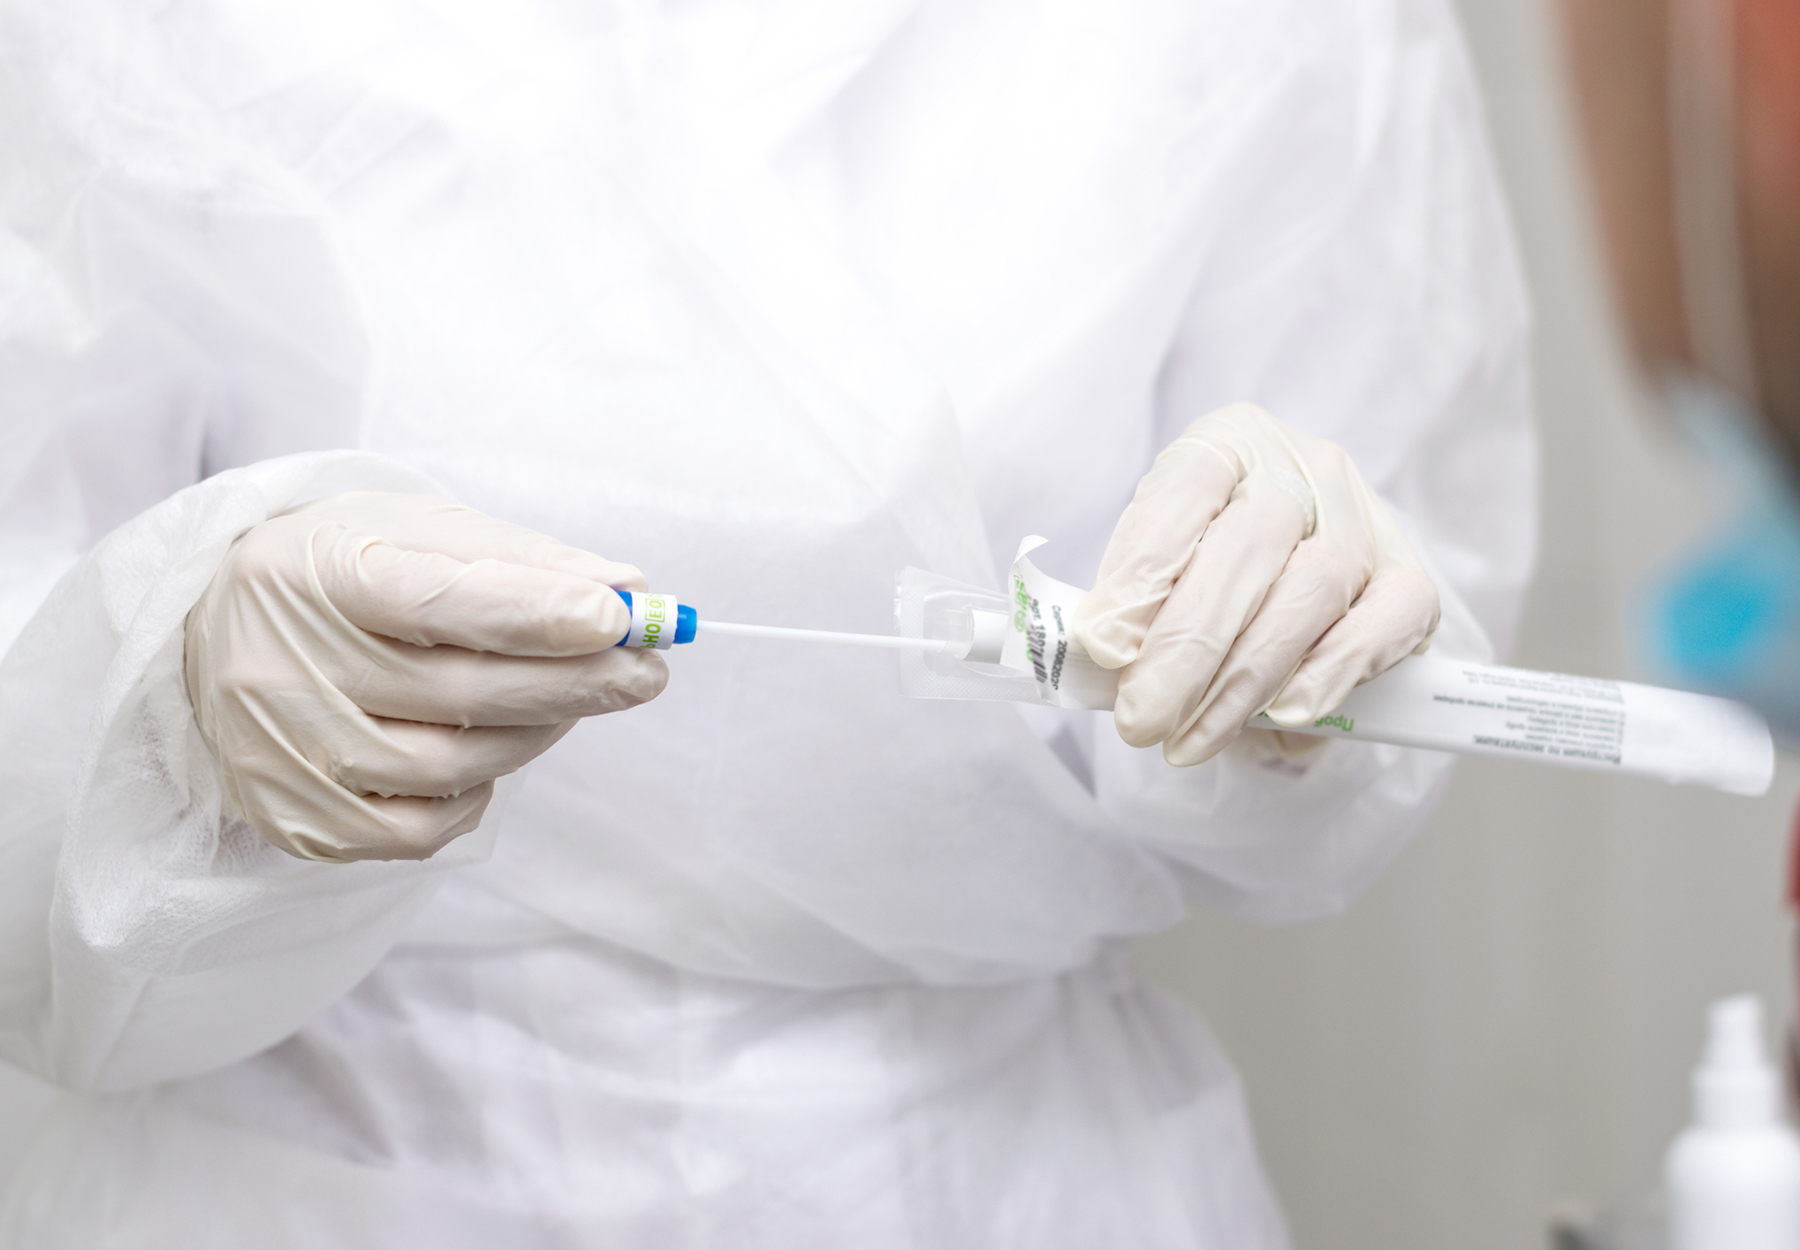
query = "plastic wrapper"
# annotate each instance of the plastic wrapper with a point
(1426, 701)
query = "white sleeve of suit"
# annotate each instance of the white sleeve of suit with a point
(146, 935)
(142, 937)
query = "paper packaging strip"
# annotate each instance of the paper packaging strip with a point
(1452, 705)
(1044, 621)
(1577, 722)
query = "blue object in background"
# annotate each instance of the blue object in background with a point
(1727, 618)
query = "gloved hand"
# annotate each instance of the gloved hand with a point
(364, 666)
(1254, 569)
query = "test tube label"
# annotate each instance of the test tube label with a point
(653, 620)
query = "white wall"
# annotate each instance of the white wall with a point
(23, 1102)
(1503, 1024)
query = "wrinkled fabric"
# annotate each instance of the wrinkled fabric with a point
(771, 300)
(659, 1108)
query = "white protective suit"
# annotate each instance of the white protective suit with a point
(770, 298)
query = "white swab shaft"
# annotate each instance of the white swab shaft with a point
(825, 635)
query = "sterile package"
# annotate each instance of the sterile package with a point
(1426, 701)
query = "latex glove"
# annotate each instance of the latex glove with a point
(364, 666)
(1254, 569)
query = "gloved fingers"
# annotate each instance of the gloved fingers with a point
(1291, 746)
(429, 599)
(1396, 616)
(1239, 559)
(406, 827)
(397, 757)
(454, 686)
(1190, 484)
(428, 523)
(288, 794)
(1313, 592)
(407, 609)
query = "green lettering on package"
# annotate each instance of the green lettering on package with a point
(655, 616)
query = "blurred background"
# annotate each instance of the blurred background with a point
(1503, 1026)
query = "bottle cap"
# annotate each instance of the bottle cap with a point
(987, 637)
(1735, 1086)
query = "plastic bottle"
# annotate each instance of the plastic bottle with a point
(1733, 1176)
